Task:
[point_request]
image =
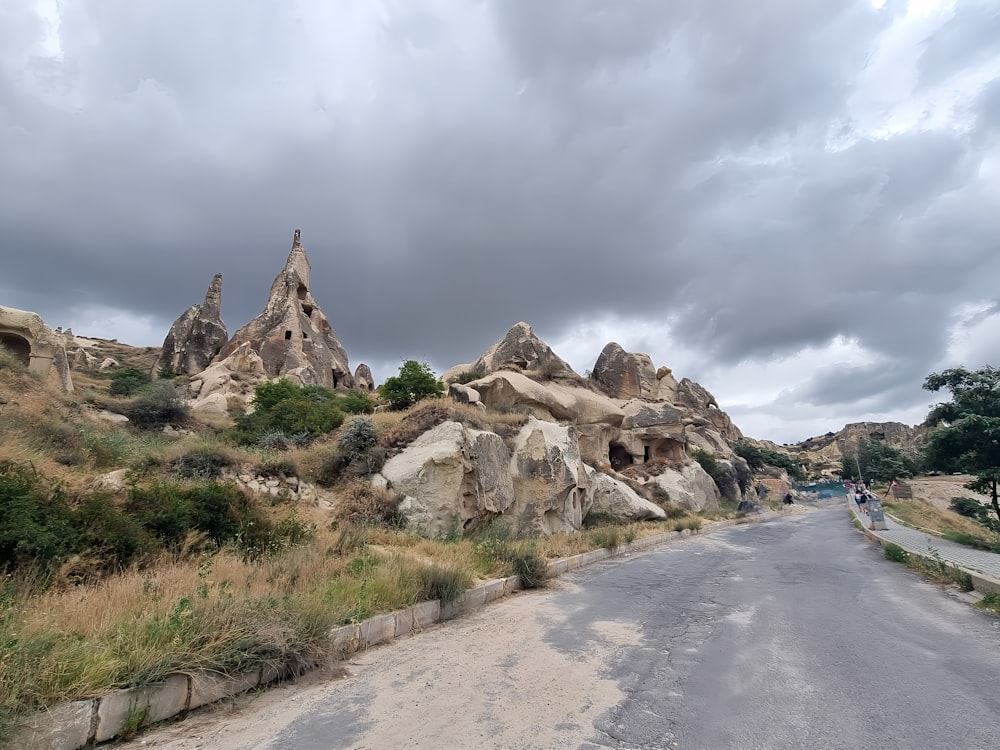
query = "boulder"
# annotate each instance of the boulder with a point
(463, 394)
(292, 335)
(451, 475)
(615, 498)
(547, 400)
(236, 375)
(196, 337)
(623, 374)
(699, 400)
(690, 487)
(551, 485)
(84, 361)
(520, 349)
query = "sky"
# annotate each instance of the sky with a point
(795, 203)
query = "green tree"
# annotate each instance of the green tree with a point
(416, 381)
(879, 461)
(967, 434)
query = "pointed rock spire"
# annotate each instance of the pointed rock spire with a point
(196, 336)
(292, 335)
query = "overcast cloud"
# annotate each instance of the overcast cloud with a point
(792, 202)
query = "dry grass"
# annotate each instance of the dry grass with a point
(921, 513)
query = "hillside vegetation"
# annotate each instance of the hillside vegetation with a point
(128, 551)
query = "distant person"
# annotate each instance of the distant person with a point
(863, 502)
(788, 498)
(859, 498)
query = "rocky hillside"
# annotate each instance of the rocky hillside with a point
(822, 455)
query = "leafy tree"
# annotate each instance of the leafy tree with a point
(416, 381)
(967, 437)
(879, 461)
(757, 457)
(283, 407)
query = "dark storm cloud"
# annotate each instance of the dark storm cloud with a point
(457, 167)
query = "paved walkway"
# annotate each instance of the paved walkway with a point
(920, 542)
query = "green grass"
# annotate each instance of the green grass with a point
(991, 603)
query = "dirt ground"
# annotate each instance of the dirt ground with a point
(939, 491)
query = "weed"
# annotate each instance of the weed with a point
(991, 603)
(896, 553)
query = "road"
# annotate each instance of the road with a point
(794, 633)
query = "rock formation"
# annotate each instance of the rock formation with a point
(292, 335)
(624, 375)
(196, 337)
(234, 377)
(583, 439)
(363, 379)
(824, 454)
(519, 350)
(38, 347)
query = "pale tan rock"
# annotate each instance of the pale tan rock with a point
(292, 335)
(451, 475)
(690, 487)
(520, 349)
(616, 499)
(551, 485)
(363, 379)
(42, 350)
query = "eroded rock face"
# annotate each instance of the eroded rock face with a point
(42, 350)
(551, 485)
(196, 337)
(451, 475)
(616, 499)
(520, 349)
(363, 379)
(624, 374)
(237, 375)
(690, 487)
(292, 335)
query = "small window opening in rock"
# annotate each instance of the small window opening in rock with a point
(308, 310)
(302, 291)
(288, 335)
(305, 335)
(647, 454)
(334, 378)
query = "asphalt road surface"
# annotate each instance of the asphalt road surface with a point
(793, 633)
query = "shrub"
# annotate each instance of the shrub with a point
(415, 382)
(968, 507)
(128, 381)
(365, 505)
(276, 440)
(157, 405)
(36, 525)
(9, 360)
(201, 463)
(496, 545)
(444, 582)
(467, 377)
(896, 553)
(298, 414)
(358, 452)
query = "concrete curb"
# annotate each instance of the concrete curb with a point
(982, 583)
(78, 724)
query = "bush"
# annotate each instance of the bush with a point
(36, 525)
(201, 463)
(365, 505)
(968, 507)
(128, 381)
(896, 553)
(157, 405)
(298, 414)
(496, 545)
(415, 382)
(10, 361)
(467, 377)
